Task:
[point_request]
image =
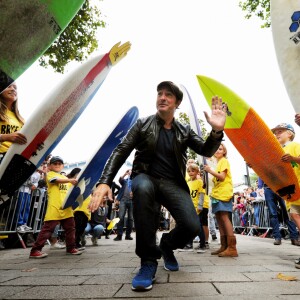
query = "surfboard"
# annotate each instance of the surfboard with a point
(254, 140)
(55, 116)
(91, 172)
(285, 21)
(28, 28)
(194, 122)
(113, 223)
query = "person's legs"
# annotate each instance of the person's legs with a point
(231, 250)
(98, 231)
(80, 224)
(146, 213)
(201, 232)
(129, 225)
(223, 237)
(290, 224)
(45, 234)
(271, 202)
(69, 227)
(120, 225)
(212, 224)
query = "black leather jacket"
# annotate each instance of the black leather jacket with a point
(143, 137)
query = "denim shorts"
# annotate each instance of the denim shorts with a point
(219, 205)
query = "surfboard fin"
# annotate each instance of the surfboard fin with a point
(287, 191)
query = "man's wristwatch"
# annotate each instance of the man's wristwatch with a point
(217, 132)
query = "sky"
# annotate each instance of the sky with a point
(171, 40)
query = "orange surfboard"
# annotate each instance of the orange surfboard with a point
(254, 140)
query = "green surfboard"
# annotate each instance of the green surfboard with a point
(27, 29)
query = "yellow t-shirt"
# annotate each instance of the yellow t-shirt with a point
(223, 190)
(84, 207)
(11, 126)
(293, 149)
(196, 189)
(56, 195)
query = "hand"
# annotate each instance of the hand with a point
(117, 52)
(101, 193)
(297, 119)
(206, 168)
(15, 137)
(218, 114)
(287, 158)
(73, 181)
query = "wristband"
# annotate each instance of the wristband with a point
(217, 132)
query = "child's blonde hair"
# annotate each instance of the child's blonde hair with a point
(224, 149)
(193, 167)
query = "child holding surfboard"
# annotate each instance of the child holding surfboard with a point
(58, 186)
(285, 134)
(221, 196)
(11, 120)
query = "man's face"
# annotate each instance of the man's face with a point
(166, 101)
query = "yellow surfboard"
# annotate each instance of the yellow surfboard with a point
(254, 140)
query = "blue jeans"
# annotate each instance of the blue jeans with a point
(272, 199)
(96, 231)
(256, 214)
(23, 207)
(125, 205)
(148, 195)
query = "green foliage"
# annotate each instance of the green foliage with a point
(259, 8)
(184, 119)
(77, 41)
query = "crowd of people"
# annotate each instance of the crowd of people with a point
(161, 183)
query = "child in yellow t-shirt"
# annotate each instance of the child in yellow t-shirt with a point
(285, 134)
(57, 187)
(221, 201)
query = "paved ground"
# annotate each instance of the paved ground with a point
(106, 271)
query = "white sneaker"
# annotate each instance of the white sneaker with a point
(21, 229)
(57, 246)
(27, 228)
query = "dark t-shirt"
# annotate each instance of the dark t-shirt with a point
(164, 164)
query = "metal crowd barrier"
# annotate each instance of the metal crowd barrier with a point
(11, 209)
(254, 216)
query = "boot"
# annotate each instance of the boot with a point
(223, 239)
(231, 249)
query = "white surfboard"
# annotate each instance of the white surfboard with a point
(285, 20)
(54, 117)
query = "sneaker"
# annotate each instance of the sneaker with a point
(196, 239)
(206, 245)
(118, 238)
(297, 264)
(295, 242)
(26, 228)
(277, 242)
(107, 237)
(37, 254)
(200, 249)
(145, 277)
(80, 248)
(21, 229)
(94, 241)
(128, 237)
(214, 237)
(57, 246)
(170, 262)
(74, 251)
(187, 248)
(83, 240)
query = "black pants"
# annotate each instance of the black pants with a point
(81, 221)
(148, 195)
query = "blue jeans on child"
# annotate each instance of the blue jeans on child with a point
(272, 199)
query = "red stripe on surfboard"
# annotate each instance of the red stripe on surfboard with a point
(57, 116)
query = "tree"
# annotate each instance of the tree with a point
(77, 41)
(184, 119)
(259, 8)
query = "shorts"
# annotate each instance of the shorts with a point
(219, 205)
(295, 209)
(204, 217)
